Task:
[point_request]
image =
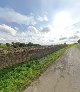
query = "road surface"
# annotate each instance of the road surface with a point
(61, 76)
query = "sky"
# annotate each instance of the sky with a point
(45, 22)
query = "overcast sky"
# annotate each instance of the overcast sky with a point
(40, 21)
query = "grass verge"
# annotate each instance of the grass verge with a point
(78, 46)
(14, 79)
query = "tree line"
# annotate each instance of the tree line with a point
(18, 44)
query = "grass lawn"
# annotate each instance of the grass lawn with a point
(14, 79)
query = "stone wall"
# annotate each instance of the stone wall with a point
(18, 55)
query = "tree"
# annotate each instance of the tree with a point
(15, 45)
(18, 44)
(7, 44)
(78, 41)
(30, 44)
(22, 45)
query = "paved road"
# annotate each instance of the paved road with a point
(61, 76)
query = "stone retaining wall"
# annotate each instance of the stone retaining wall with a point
(18, 55)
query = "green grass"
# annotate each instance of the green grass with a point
(78, 46)
(15, 79)
(3, 46)
(70, 45)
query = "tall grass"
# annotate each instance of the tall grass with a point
(14, 79)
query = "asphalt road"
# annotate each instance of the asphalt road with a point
(61, 76)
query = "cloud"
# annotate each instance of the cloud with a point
(45, 36)
(45, 30)
(74, 29)
(42, 19)
(63, 38)
(48, 35)
(77, 32)
(11, 15)
(16, 28)
(2, 40)
(51, 41)
(74, 37)
(35, 36)
(32, 29)
(7, 29)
